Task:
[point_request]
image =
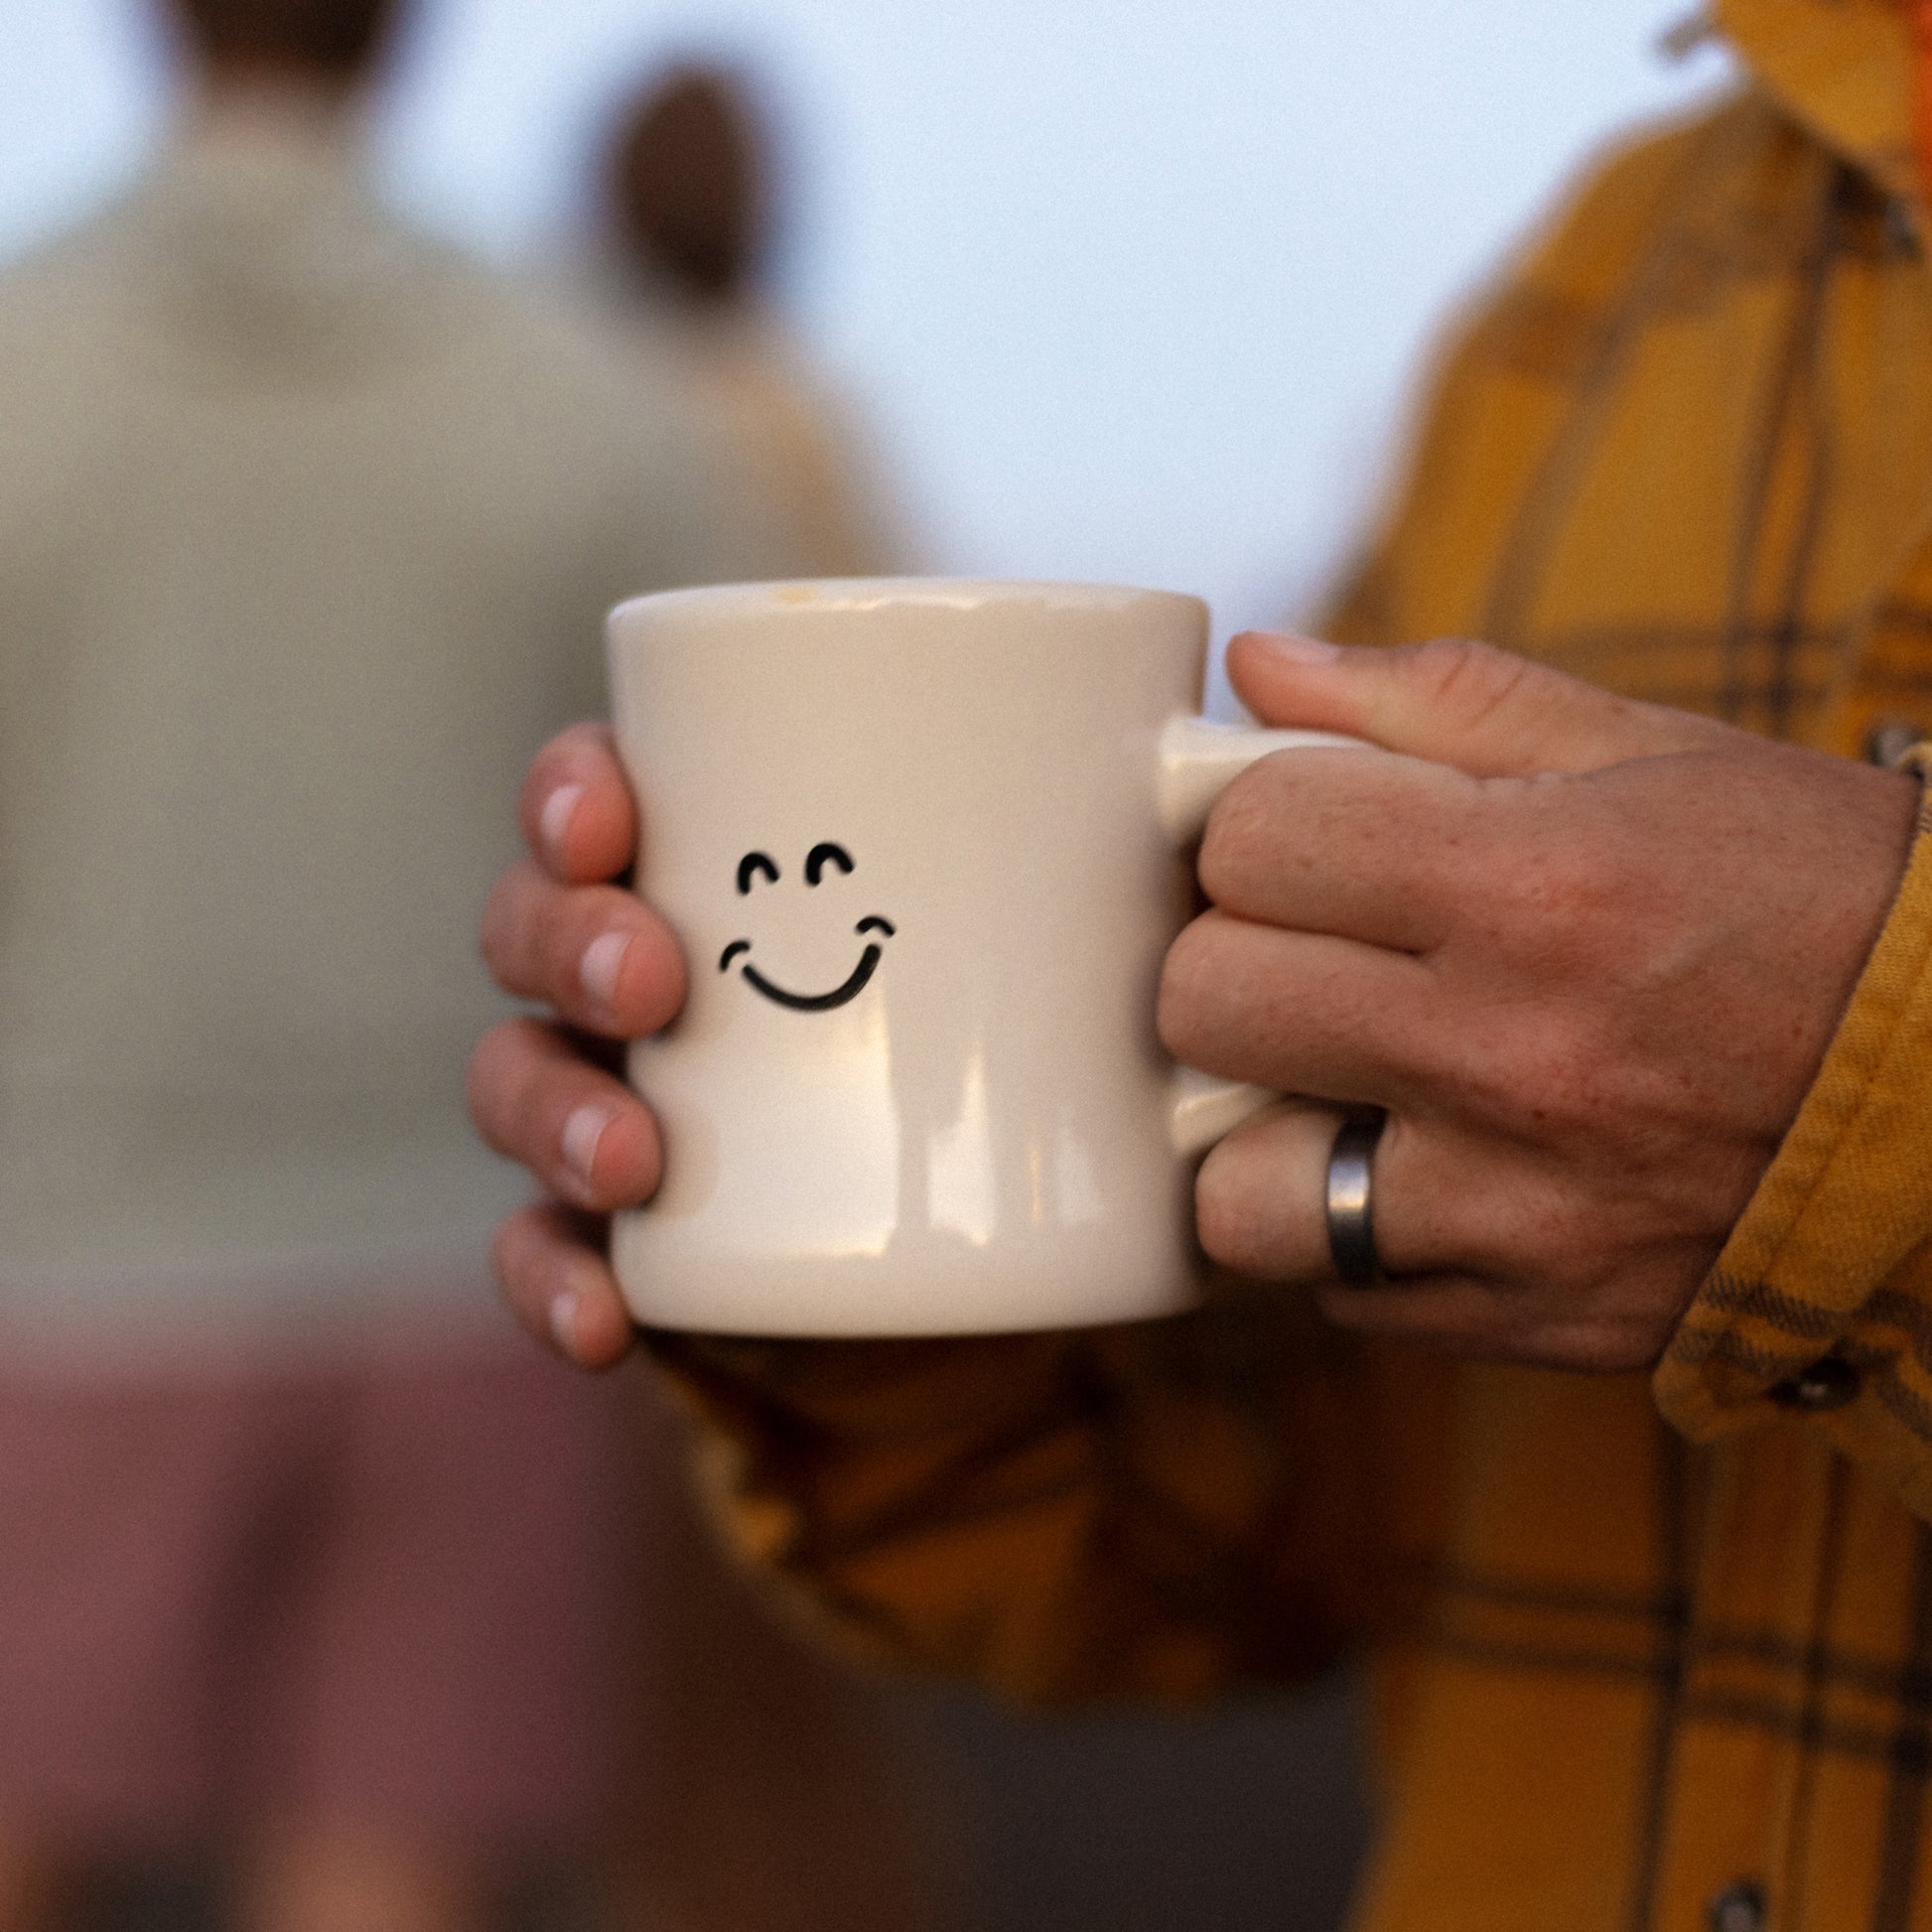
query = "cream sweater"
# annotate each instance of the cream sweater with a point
(306, 530)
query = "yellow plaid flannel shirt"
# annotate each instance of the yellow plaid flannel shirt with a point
(1651, 1654)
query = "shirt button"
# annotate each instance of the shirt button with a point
(1738, 1908)
(1888, 740)
(1827, 1384)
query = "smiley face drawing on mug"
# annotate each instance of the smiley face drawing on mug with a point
(756, 865)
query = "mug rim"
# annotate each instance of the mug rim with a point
(858, 595)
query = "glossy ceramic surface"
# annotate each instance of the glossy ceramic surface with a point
(921, 840)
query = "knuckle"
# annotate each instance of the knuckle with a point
(1256, 1204)
(1242, 832)
(1467, 680)
(1502, 1072)
(1225, 1222)
(1551, 1083)
(1182, 1009)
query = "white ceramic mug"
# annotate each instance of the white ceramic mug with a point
(925, 844)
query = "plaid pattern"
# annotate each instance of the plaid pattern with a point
(1631, 1677)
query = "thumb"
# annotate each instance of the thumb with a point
(1467, 705)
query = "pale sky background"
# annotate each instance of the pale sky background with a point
(1130, 291)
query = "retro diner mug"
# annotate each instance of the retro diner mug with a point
(925, 843)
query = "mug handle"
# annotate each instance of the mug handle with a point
(1198, 760)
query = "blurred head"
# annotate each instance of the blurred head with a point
(686, 184)
(335, 42)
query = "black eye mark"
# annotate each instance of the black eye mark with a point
(876, 925)
(823, 855)
(753, 862)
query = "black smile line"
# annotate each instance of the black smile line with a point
(820, 1002)
(815, 1002)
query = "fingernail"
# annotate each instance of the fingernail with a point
(583, 1132)
(1295, 649)
(563, 1320)
(603, 963)
(554, 823)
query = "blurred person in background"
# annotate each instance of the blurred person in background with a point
(1618, 1446)
(691, 201)
(770, 1789)
(307, 528)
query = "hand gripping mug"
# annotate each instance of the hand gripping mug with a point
(925, 843)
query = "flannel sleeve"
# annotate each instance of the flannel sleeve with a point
(1158, 1511)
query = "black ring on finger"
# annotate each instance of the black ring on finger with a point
(1350, 1201)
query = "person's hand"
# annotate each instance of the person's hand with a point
(1588, 953)
(558, 930)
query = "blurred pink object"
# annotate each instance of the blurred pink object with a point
(372, 1591)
